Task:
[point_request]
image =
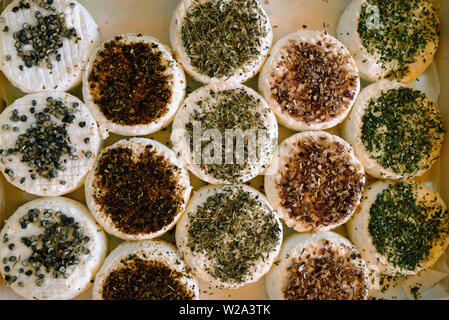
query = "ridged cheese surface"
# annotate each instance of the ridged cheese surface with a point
(20, 173)
(59, 288)
(137, 145)
(75, 52)
(149, 250)
(176, 82)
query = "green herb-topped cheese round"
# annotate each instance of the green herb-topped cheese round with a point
(396, 131)
(400, 228)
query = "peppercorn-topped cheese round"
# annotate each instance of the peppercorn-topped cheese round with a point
(394, 40)
(316, 183)
(133, 85)
(44, 45)
(229, 235)
(396, 131)
(48, 143)
(225, 133)
(310, 81)
(138, 189)
(221, 40)
(319, 266)
(51, 248)
(400, 227)
(145, 270)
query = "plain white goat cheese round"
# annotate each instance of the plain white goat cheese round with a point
(133, 85)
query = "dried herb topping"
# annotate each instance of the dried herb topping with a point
(323, 273)
(130, 82)
(235, 230)
(228, 110)
(403, 229)
(312, 82)
(406, 29)
(221, 36)
(140, 193)
(319, 184)
(401, 129)
(55, 251)
(139, 279)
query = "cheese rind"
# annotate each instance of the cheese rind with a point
(137, 145)
(21, 174)
(59, 288)
(148, 250)
(240, 74)
(74, 52)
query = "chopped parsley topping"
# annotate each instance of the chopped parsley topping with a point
(403, 228)
(401, 129)
(406, 28)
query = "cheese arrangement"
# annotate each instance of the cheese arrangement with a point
(218, 149)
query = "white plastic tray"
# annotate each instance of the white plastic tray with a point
(152, 17)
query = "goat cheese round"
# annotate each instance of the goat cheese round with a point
(316, 182)
(400, 227)
(394, 40)
(44, 47)
(229, 235)
(310, 81)
(48, 143)
(396, 131)
(225, 133)
(319, 266)
(51, 249)
(138, 189)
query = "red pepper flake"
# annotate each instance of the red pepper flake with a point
(140, 194)
(129, 82)
(138, 279)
